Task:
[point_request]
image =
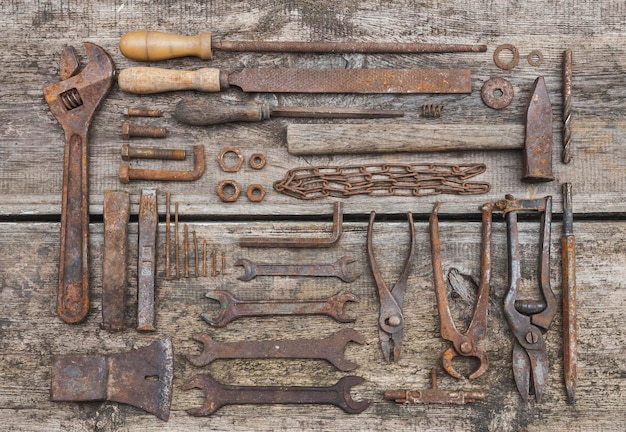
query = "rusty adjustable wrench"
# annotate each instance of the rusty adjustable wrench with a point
(231, 308)
(73, 102)
(337, 269)
(330, 349)
(218, 395)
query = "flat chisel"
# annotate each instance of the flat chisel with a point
(147, 80)
(152, 46)
(568, 255)
(208, 112)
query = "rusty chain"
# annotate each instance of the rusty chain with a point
(388, 179)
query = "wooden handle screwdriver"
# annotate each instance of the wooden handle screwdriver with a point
(568, 255)
(152, 46)
(210, 112)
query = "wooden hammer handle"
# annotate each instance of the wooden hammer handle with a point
(147, 80)
(153, 46)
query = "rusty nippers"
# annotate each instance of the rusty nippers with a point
(463, 344)
(390, 320)
(529, 320)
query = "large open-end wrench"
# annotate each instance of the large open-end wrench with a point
(73, 102)
(232, 308)
(330, 349)
(338, 269)
(217, 395)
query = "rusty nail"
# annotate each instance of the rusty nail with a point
(134, 130)
(142, 112)
(126, 173)
(168, 273)
(223, 263)
(146, 260)
(186, 240)
(195, 247)
(129, 153)
(214, 266)
(176, 242)
(204, 266)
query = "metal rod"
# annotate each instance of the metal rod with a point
(168, 273)
(176, 242)
(568, 251)
(186, 240)
(195, 247)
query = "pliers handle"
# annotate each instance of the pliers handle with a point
(463, 344)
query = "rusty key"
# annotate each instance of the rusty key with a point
(338, 269)
(231, 308)
(218, 395)
(330, 349)
(73, 102)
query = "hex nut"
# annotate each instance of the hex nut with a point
(257, 161)
(226, 150)
(255, 193)
(228, 198)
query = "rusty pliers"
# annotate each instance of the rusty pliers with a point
(390, 319)
(529, 320)
(463, 344)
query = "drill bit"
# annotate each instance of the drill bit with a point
(566, 154)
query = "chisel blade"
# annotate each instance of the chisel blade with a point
(353, 80)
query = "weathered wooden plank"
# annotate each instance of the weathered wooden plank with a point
(31, 332)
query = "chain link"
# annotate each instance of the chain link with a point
(382, 180)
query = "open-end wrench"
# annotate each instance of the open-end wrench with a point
(338, 269)
(330, 349)
(217, 395)
(232, 308)
(73, 102)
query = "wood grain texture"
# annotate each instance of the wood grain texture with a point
(31, 160)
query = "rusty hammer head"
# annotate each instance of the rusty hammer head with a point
(537, 156)
(76, 97)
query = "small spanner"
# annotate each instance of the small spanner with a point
(232, 308)
(330, 349)
(73, 102)
(338, 269)
(218, 395)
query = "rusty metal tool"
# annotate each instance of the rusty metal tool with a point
(126, 173)
(530, 358)
(200, 112)
(537, 153)
(73, 102)
(204, 259)
(186, 245)
(434, 395)
(168, 271)
(176, 242)
(141, 378)
(129, 152)
(301, 242)
(146, 260)
(330, 349)
(214, 263)
(566, 154)
(232, 308)
(147, 80)
(152, 46)
(337, 269)
(130, 130)
(568, 255)
(223, 263)
(217, 395)
(195, 255)
(390, 318)
(463, 344)
(116, 210)
(142, 112)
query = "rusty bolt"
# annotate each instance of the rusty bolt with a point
(142, 112)
(134, 130)
(466, 347)
(257, 161)
(228, 183)
(231, 168)
(255, 193)
(129, 153)
(531, 337)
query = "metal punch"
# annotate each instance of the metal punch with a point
(390, 319)
(529, 320)
(463, 344)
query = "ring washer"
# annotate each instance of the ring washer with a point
(493, 85)
(532, 54)
(500, 63)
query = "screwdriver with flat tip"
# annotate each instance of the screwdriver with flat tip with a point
(152, 46)
(209, 112)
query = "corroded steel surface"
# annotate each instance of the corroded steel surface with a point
(434, 395)
(537, 153)
(570, 330)
(146, 260)
(337, 269)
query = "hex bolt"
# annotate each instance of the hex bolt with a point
(142, 112)
(134, 130)
(129, 153)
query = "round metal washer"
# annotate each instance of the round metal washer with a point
(500, 63)
(228, 198)
(257, 161)
(535, 54)
(223, 152)
(493, 86)
(255, 193)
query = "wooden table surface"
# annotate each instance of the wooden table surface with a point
(31, 165)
